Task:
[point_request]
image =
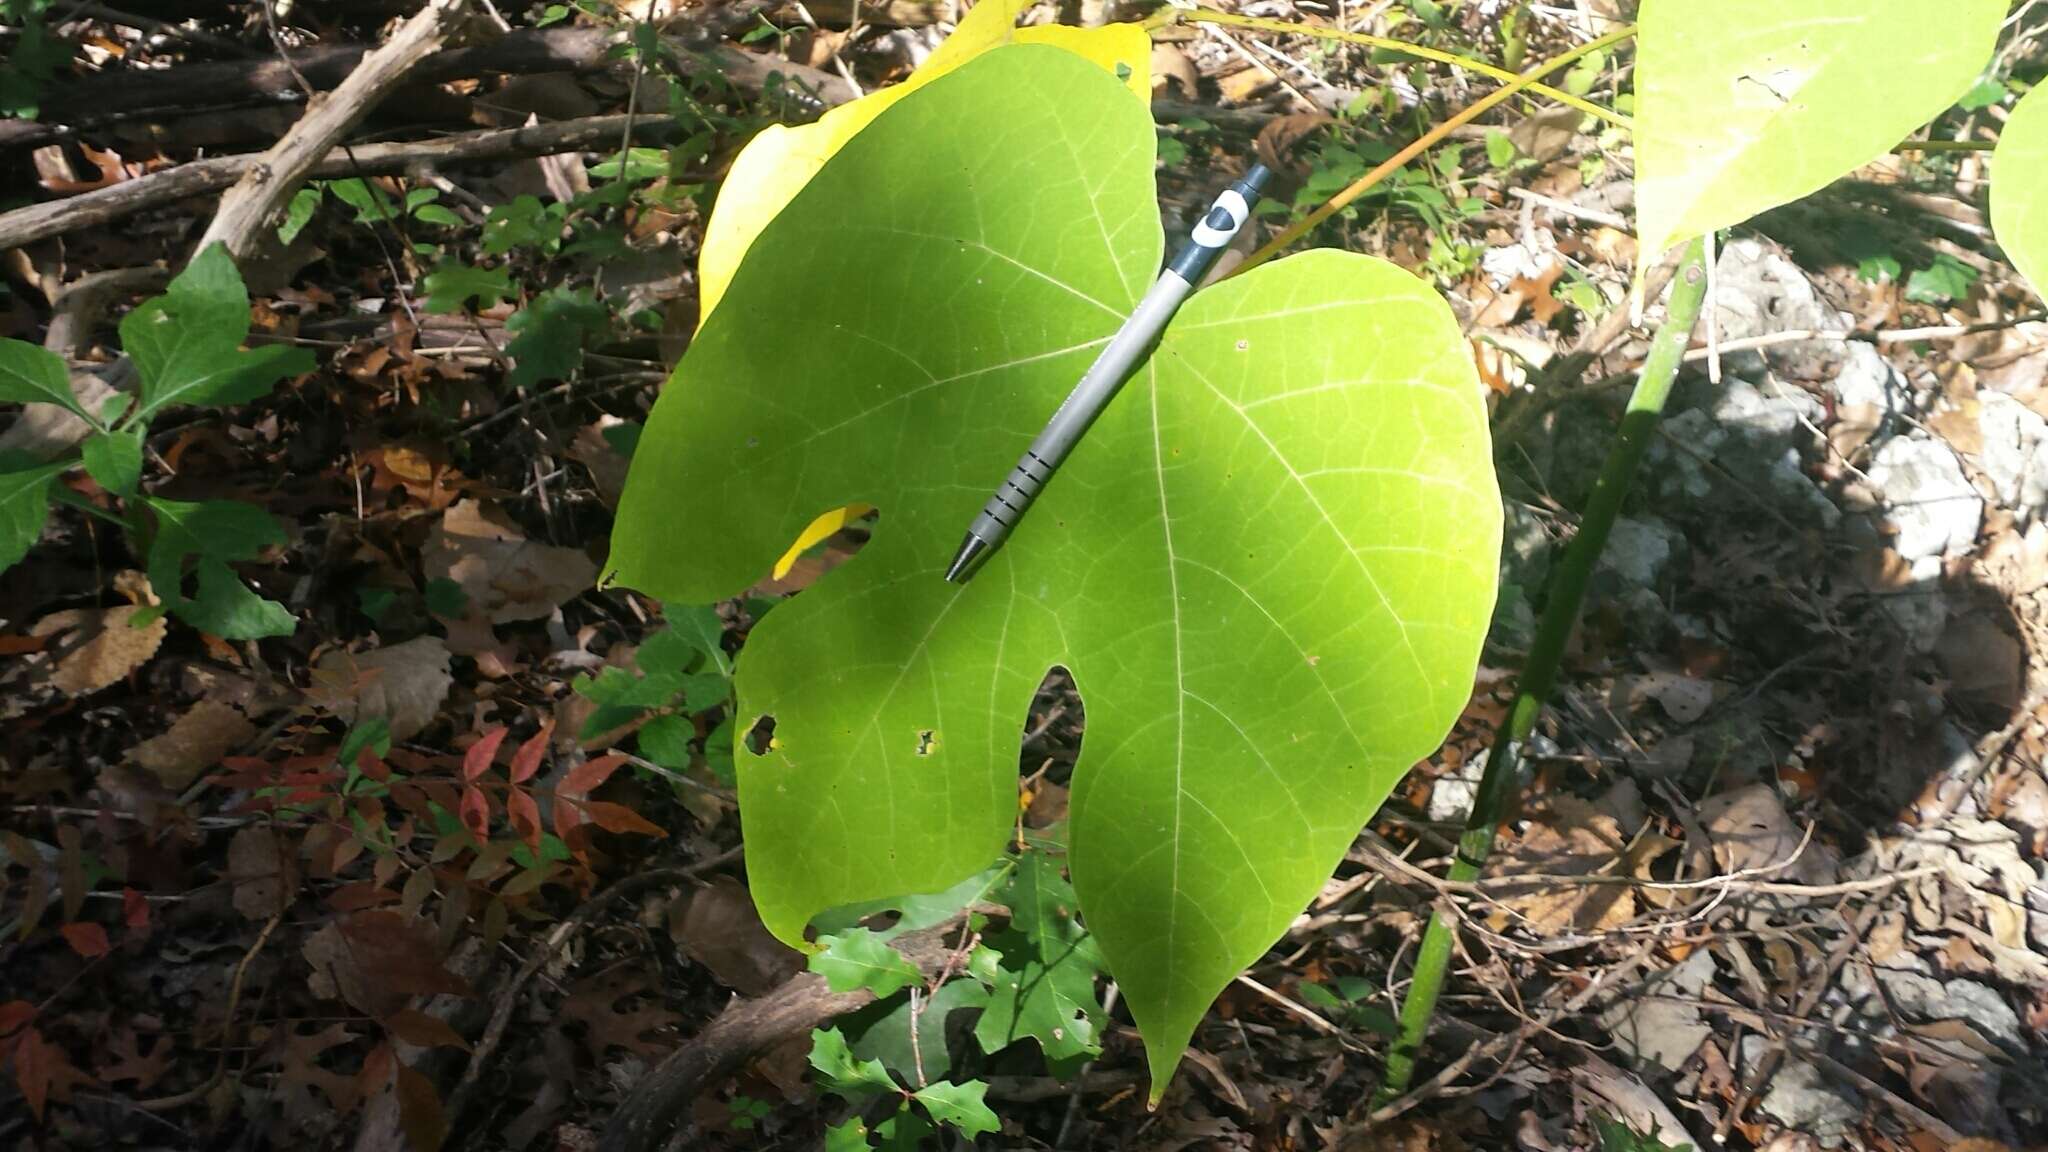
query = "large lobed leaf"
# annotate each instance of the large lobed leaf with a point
(1269, 567)
(780, 160)
(2019, 189)
(1744, 105)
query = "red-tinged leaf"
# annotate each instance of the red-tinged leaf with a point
(587, 776)
(87, 939)
(375, 1072)
(356, 897)
(399, 952)
(567, 815)
(524, 815)
(31, 1071)
(476, 812)
(13, 1015)
(526, 761)
(135, 911)
(412, 799)
(419, 1110)
(477, 760)
(310, 762)
(424, 1031)
(43, 1072)
(410, 762)
(442, 792)
(259, 777)
(309, 779)
(619, 818)
(369, 765)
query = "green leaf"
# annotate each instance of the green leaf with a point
(701, 627)
(840, 1072)
(372, 204)
(24, 508)
(115, 460)
(1049, 997)
(960, 1105)
(1500, 149)
(2019, 189)
(1269, 567)
(666, 741)
(548, 334)
(186, 344)
(887, 1036)
(1618, 1136)
(33, 375)
(215, 532)
(525, 222)
(1743, 105)
(911, 913)
(903, 1132)
(299, 212)
(851, 1136)
(1986, 92)
(436, 214)
(1940, 282)
(860, 959)
(450, 286)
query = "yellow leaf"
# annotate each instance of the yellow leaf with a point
(819, 530)
(775, 165)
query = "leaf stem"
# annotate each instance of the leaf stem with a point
(63, 495)
(1469, 64)
(1394, 163)
(1567, 592)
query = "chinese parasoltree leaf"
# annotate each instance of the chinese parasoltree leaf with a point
(1268, 568)
(1744, 105)
(2019, 189)
(780, 160)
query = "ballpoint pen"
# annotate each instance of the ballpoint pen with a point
(1099, 385)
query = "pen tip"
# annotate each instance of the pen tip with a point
(973, 553)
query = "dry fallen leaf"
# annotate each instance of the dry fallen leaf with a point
(1750, 830)
(506, 576)
(404, 683)
(1571, 837)
(106, 645)
(262, 871)
(194, 742)
(718, 927)
(607, 466)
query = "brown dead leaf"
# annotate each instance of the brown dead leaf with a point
(1171, 64)
(105, 645)
(127, 1061)
(595, 1003)
(607, 467)
(263, 872)
(507, 576)
(376, 960)
(1544, 136)
(1277, 139)
(1543, 306)
(1571, 837)
(1960, 426)
(718, 927)
(193, 743)
(1612, 247)
(403, 683)
(1750, 830)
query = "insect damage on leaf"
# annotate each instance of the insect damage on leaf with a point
(1302, 467)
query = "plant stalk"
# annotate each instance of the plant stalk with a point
(1423, 143)
(1497, 785)
(1419, 51)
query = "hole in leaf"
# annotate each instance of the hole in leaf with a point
(761, 735)
(830, 540)
(1051, 743)
(927, 741)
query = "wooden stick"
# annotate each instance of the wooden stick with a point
(200, 177)
(266, 185)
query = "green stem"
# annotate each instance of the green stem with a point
(63, 495)
(1420, 51)
(1497, 786)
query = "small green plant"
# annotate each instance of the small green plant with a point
(682, 673)
(1030, 982)
(187, 349)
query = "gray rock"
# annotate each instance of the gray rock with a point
(2013, 435)
(1639, 550)
(1985, 1010)
(1931, 502)
(1802, 1098)
(1759, 291)
(1664, 1031)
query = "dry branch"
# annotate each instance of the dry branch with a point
(265, 185)
(746, 1029)
(200, 177)
(119, 95)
